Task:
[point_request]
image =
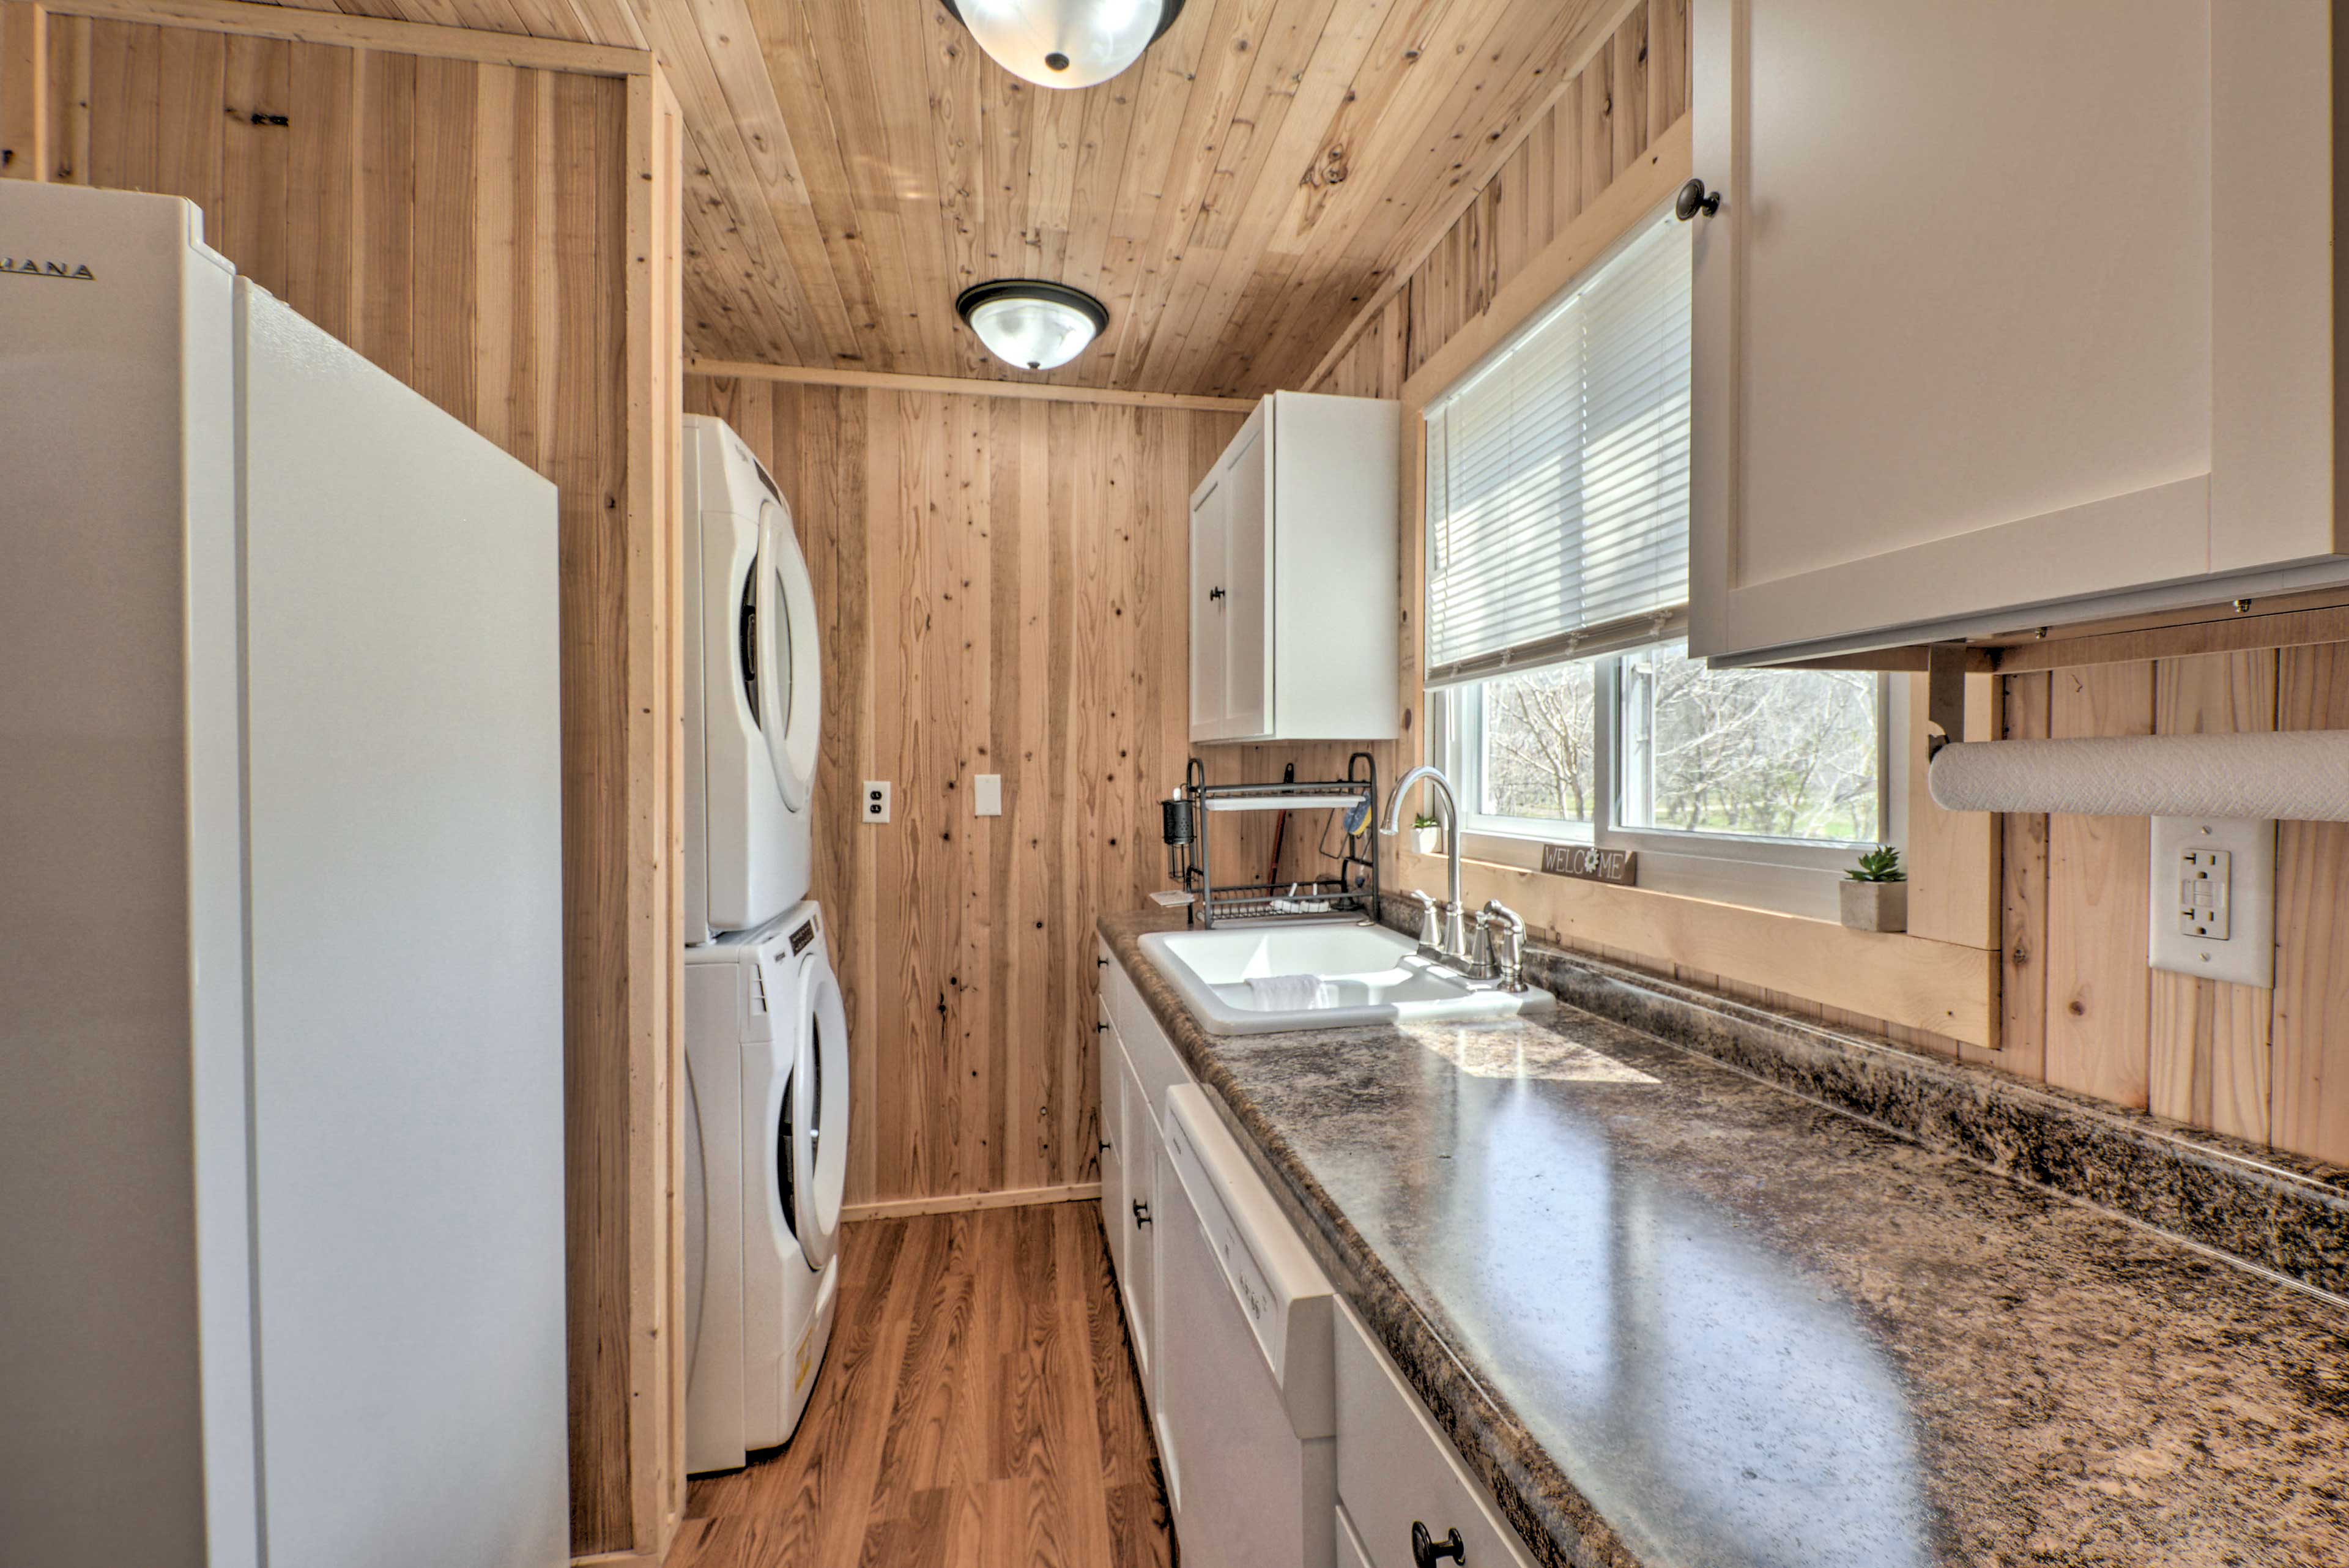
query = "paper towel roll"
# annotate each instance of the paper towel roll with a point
(2299, 775)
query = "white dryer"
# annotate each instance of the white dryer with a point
(754, 691)
(766, 1157)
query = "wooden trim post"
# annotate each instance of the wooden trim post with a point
(24, 90)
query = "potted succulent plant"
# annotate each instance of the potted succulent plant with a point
(1426, 837)
(1876, 892)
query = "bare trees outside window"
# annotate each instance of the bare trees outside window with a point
(1770, 753)
(1540, 744)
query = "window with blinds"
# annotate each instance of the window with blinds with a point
(1557, 477)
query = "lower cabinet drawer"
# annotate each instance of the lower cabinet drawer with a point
(1156, 1064)
(1396, 1471)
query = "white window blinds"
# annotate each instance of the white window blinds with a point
(1557, 476)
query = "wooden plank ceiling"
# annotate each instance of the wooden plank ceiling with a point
(1233, 199)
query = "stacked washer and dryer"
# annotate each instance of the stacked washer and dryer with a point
(766, 1038)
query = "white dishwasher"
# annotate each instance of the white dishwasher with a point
(1247, 1408)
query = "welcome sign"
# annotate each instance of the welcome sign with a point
(1587, 863)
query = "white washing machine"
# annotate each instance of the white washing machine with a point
(754, 691)
(766, 1068)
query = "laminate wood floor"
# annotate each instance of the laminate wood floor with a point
(978, 1406)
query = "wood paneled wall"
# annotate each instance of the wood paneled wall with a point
(1003, 586)
(505, 241)
(1621, 98)
(2082, 1009)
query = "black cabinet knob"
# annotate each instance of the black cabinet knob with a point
(1694, 199)
(1214, 593)
(1426, 1552)
(1105, 1146)
(1141, 1213)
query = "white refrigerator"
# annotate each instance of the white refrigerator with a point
(280, 1053)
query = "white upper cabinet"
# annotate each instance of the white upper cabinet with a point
(1293, 582)
(2011, 311)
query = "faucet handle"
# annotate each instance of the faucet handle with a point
(1455, 932)
(1430, 933)
(1510, 962)
(1479, 954)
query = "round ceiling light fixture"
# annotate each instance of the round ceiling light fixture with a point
(1031, 325)
(1066, 43)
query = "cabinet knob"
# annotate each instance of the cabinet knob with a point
(1105, 1146)
(1426, 1552)
(1694, 199)
(1141, 1213)
(1214, 593)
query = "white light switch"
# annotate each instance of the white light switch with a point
(876, 800)
(986, 794)
(2213, 898)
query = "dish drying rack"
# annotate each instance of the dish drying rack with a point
(1190, 862)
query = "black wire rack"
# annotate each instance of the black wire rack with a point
(1353, 889)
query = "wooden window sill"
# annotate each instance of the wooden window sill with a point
(1944, 987)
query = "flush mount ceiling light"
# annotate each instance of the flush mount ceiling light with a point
(1066, 43)
(1034, 325)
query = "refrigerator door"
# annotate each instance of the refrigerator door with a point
(125, 1379)
(407, 1058)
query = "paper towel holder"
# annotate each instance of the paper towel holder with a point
(1945, 696)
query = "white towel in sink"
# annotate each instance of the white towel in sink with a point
(1291, 992)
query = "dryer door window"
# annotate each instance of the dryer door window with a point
(779, 656)
(822, 1143)
(787, 1142)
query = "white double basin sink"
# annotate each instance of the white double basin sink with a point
(1323, 975)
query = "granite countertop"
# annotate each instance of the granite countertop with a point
(1674, 1315)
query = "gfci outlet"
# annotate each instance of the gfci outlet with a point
(876, 800)
(2212, 905)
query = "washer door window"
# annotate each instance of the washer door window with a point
(819, 1142)
(779, 667)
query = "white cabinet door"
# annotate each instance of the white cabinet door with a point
(1209, 606)
(2007, 305)
(1247, 576)
(1138, 1279)
(1113, 1139)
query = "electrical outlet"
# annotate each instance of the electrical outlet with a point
(876, 800)
(2212, 909)
(986, 794)
(2203, 908)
